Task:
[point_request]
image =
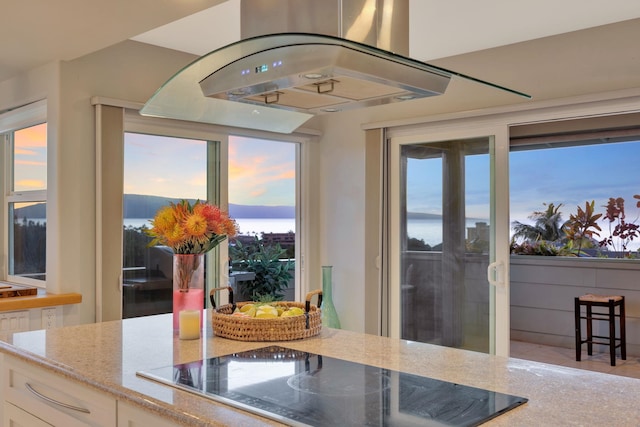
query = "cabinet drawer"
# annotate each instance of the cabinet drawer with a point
(16, 417)
(54, 399)
(131, 416)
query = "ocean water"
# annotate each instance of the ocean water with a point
(429, 230)
(246, 225)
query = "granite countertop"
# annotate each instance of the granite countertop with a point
(107, 356)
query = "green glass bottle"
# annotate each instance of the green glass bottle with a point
(329, 314)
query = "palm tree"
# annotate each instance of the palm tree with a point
(547, 225)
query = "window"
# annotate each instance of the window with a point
(169, 160)
(157, 170)
(559, 174)
(262, 197)
(24, 135)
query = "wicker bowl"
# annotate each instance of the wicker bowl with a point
(276, 329)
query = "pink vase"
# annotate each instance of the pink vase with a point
(188, 286)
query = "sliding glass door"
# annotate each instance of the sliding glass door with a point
(447, 266)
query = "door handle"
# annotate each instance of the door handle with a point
(495, 274)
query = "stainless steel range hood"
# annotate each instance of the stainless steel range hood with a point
(317, 74)
(277, 81)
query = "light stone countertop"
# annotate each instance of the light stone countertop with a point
(107, 356)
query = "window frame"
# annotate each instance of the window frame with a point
(114, 118)
(216, 190)
(575, 132)
(134, 123)
(19, 118)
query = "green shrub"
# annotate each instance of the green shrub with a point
(272, 273)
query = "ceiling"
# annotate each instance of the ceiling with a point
(35, 32)
(67, 29)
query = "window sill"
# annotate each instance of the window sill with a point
(42, 299)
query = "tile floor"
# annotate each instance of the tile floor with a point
(567, 357)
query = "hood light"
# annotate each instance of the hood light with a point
(313, 76)
(405, 97)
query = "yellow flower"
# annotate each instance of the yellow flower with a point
(165, 220)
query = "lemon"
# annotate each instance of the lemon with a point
(266, 312)
(266, 315)
(293, 311)
(246, 307)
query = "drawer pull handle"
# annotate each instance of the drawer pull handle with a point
(55, 402)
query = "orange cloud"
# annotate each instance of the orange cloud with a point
(30, 163)
(25, 152)
(35, 136)
(288, 174)
(30, 183)
(258, 192)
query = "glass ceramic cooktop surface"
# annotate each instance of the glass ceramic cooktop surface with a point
(300, 388)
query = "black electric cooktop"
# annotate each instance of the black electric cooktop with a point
(300, 388)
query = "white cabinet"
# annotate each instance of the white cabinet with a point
(131, 416)
(30, 391)
(16, 417)
(31, 396)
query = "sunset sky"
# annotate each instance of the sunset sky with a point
(30, 151)
(262, 173)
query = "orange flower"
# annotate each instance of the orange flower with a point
(165, 220)
(175, 235)
(191, 229)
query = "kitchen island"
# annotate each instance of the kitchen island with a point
(103, 360)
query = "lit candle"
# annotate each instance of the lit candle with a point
(189, 324)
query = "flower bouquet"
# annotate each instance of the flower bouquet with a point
(190, 231)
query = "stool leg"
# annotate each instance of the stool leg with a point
(589, 330)
(612, 332)
(578, 329)
(623, 332)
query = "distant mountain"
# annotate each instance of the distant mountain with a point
(141, 206)
(421, 215)
(32, 212)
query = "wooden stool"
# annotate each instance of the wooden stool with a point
(611, 302)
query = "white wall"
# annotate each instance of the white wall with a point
(341, 222)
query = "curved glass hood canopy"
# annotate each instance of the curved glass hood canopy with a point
(277, 82)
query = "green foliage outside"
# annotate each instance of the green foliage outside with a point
(580, 235)
(136, 242)
(270, 263)
(414, 244)
(266, 261)
(29, 252)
